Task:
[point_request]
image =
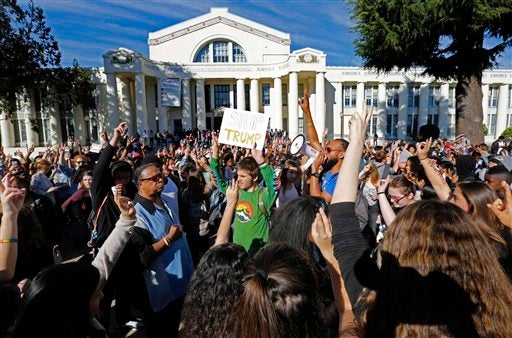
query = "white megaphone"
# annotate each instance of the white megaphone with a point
(299, 145)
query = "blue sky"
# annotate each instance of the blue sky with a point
(87, 29)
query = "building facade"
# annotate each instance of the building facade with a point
(202, 65)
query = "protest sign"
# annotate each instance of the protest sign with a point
(95, 148)
(243, 128)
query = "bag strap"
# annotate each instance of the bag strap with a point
(95, 224)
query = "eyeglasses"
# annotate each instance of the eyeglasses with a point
(396, 199)
(154, 178)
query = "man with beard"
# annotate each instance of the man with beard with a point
(325, 169)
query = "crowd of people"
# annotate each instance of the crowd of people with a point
(193, 238)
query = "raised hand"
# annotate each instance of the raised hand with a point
(304, 101)
(257, 154)
(383, 185)
(503, 210)
(321, 233)
(215, 145)
(422, 148)
(12, 198)
(123, 203)
(232, 192)
(358, 124)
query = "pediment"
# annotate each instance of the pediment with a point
(122, 56)
(308, 55)
(215, 17)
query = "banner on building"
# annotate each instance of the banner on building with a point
(170, 92)
(243, 128)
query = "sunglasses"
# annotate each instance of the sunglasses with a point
(154, 178)
(329, 149)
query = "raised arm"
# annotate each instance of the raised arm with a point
(350, 246)
(215, 166)
(312, 133)
(268, 176)
(439, 184)
(347, 184)
(503, 209)
(12, 201)
(227, 218)
(387, 212)
(113, 247)
(321, 234)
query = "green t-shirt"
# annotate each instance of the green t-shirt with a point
(251, 225)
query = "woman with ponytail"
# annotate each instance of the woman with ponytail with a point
(280, 297)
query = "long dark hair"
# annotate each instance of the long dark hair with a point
(292, 224)
(280, 297)
(211, 303)
(56, 302)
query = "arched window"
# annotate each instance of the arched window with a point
(203, 54)
(221, 51)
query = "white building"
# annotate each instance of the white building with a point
(220, 60)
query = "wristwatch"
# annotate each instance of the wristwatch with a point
(317, 175)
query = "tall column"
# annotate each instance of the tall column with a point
(401, 132)
(112, 101)
(55, 126)
(423, 108)
(141, 110)
(240, 94)
(80, 125)
(444, 120)
(6, 131)
(187, 107)
(163, 120)
(312, 100)
(276, 121)
(293, 105)
(485, 108)
(28, 112)
(200, 104)
(501, 112)
(320, 104)
(126, 108)
(231, 97)
(337, 120)
(381, 109)
(254, 93)
(360, 98)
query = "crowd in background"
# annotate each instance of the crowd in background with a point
(194, 238)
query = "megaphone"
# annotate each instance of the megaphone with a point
(300, 146)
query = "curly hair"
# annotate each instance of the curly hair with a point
(440, 277)
(211, 303)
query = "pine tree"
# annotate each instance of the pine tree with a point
(446, 38)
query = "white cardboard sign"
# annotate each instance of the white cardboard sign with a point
(243, 128)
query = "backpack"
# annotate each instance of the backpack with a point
(361, 209)
(217, 206)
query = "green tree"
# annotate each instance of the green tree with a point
(26, 47)
(446, 38)
(507, 133)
